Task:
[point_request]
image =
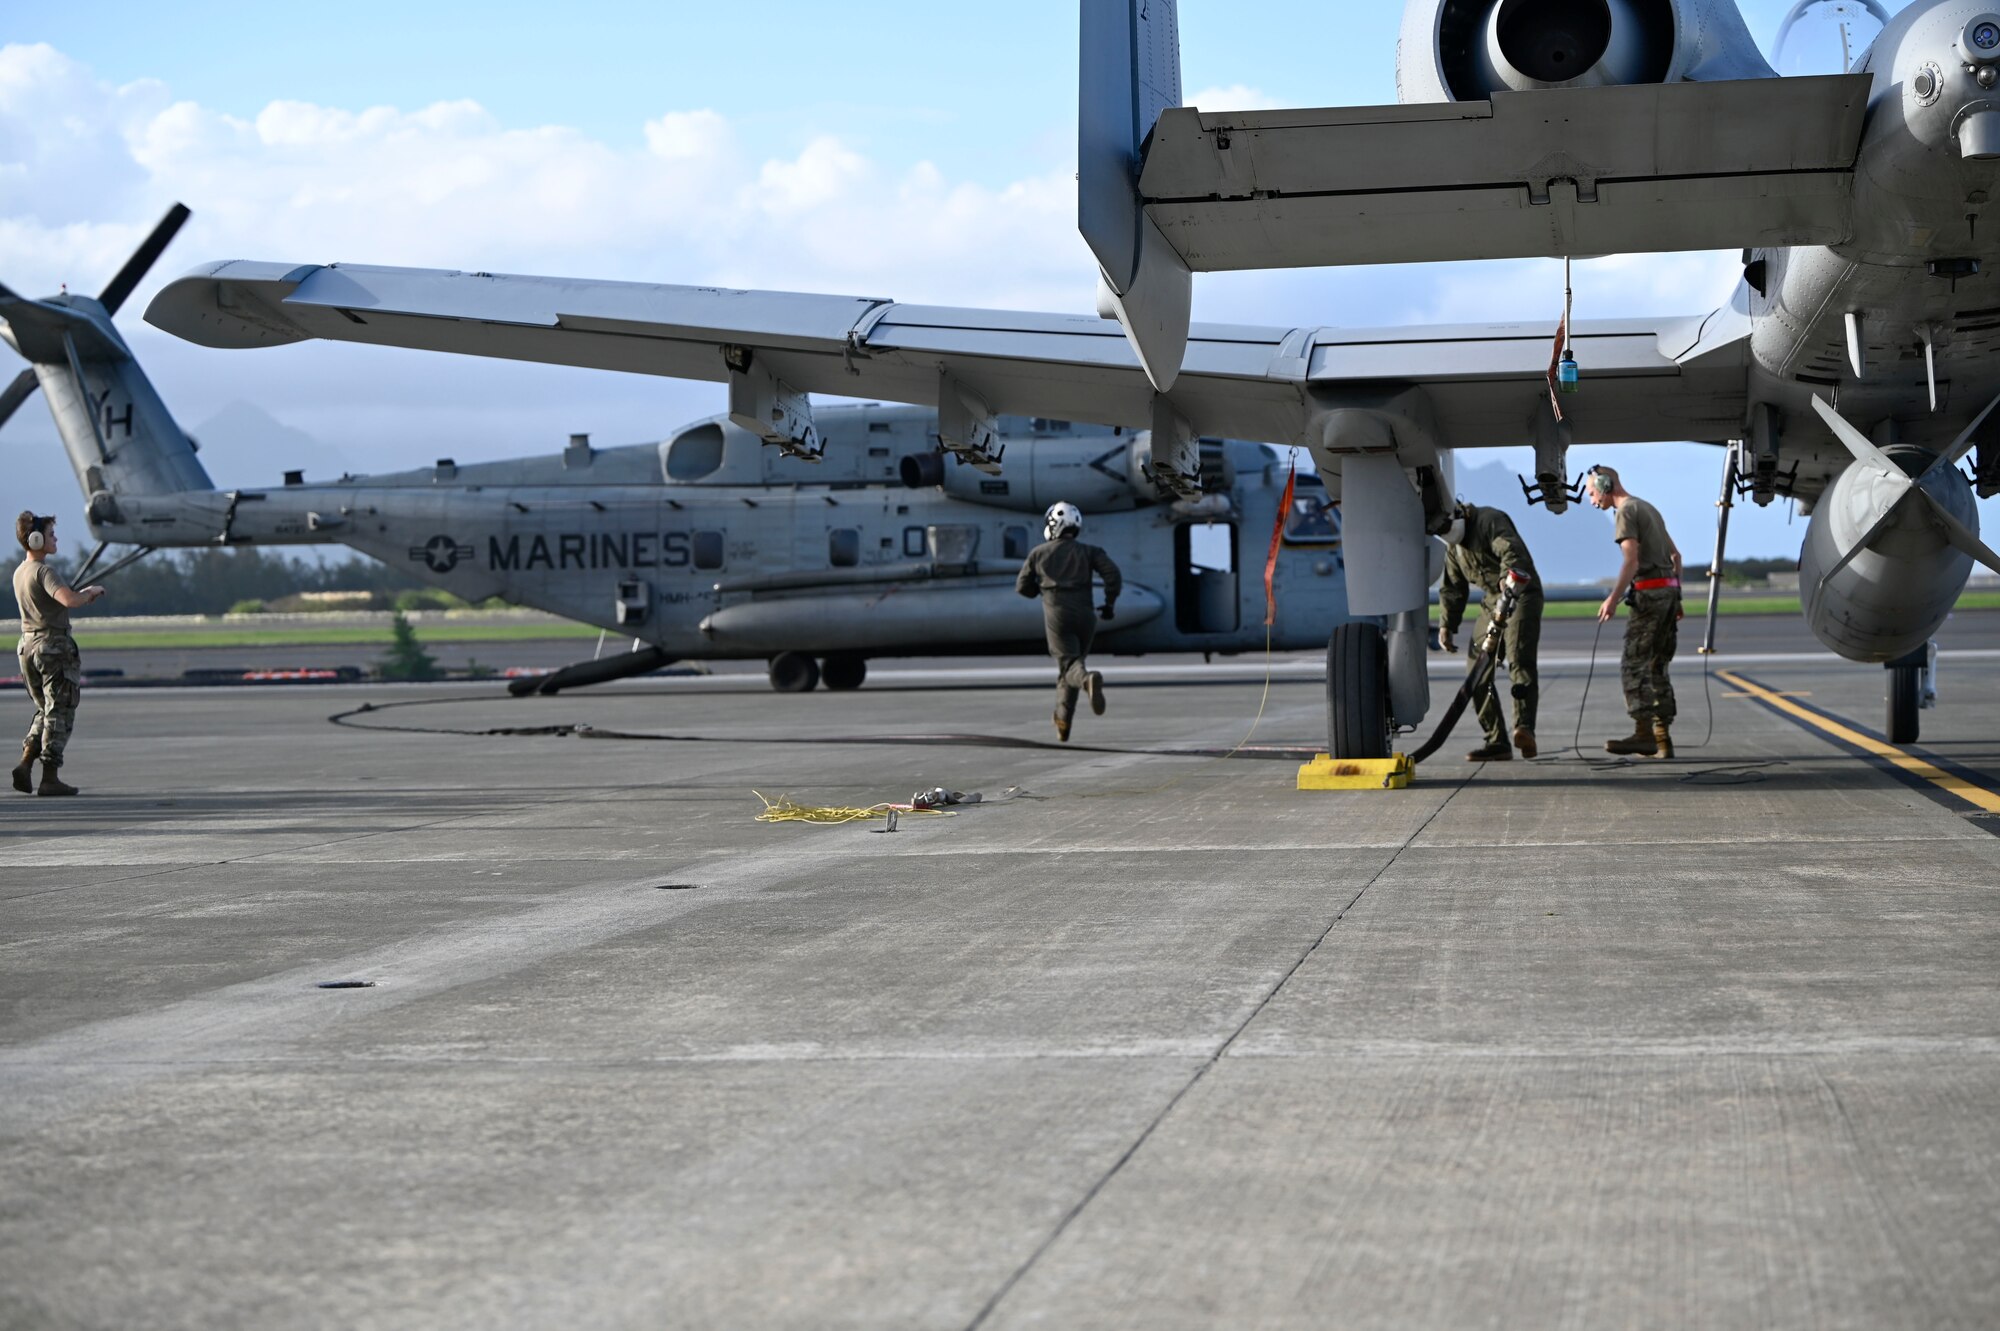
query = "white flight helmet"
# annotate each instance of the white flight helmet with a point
(1063, 518)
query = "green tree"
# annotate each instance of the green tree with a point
(406, 658)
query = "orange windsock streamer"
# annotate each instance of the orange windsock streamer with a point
(1277, 536)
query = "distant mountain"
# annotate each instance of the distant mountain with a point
(1575, 547)
(245, 446)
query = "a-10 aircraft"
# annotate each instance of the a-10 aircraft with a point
(1851, 369)
(713, 545)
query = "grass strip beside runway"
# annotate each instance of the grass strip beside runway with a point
(236, 635)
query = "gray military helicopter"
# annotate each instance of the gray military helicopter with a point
(713, 544)
(1851, 370)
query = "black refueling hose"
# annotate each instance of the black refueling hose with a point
(1476, 678)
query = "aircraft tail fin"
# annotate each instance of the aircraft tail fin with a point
(120, 437)
(1129, 71)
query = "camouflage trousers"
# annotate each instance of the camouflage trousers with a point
(1652, 634)
(52, 668)
(1070, 629)
(1520, 643)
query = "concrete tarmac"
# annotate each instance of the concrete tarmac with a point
(1159, 1042)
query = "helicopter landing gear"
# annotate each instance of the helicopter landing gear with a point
(794, 672)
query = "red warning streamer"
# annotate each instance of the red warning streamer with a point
(1278, 535)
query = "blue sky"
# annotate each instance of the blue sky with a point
(918, 151)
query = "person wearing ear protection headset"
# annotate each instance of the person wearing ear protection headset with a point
(1059, 571)
(51, 666)
(1649, 581)
(1484, 549)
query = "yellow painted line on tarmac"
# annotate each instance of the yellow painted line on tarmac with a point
(1909, 762)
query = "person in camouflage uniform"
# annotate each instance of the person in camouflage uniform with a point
(51, 666)
(1649, 581)
(1059, 571)
(1484, 549)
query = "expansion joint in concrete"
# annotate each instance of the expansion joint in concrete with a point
(1103, 1181)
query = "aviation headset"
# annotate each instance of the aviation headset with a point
(38, 533)
(1600, 480)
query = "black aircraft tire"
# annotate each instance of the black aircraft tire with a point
(1357, 692)
(794, 672)
(1904, 683)
(843, 670)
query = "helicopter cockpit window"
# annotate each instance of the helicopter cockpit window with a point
(1014, 543)
(695, 454)
(843, 547)
(1314, 519)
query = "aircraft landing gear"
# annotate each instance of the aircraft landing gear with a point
(794, 672)
(843, 670)
(1357, 692)
(1911, 689)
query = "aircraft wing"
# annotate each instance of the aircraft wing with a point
(1483, 384)
(1568, 171)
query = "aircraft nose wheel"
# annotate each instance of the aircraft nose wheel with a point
(843, 670)
(1357, 692)
(794, 672)
(1905, 697)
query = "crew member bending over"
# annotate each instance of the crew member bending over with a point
(1649, 581)
(1058, 570)
(1483, 548)
(50, 664)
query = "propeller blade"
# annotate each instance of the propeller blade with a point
(135, 269)
(1965, 443)
(1859, 444)
(17, 392)
(1961, 535)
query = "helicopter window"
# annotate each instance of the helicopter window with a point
(1014, 543)
(1044, 425)
(695, 454)
(708, 549)
(1314, 519)
(843, 547)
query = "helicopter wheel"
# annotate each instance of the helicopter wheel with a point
(794, 672)
(843, 670)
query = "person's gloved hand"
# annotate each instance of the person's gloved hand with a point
(1105, 610)
(1448, 640)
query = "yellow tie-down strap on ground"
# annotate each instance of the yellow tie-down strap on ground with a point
(1327, 773)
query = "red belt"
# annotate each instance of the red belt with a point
(1654, 584)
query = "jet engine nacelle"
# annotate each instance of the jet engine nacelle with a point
(1467, 50)
(1890, 598)
(1036, 473)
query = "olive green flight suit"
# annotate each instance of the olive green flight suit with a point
(1491, 546)
(1059, 572)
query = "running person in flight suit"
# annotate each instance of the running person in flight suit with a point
(1059, 571)
(1649, 581)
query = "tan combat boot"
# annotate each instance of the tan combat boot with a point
(31, 749)
(53, 784)
(1062, 727)
(1639, 742)
(1093, 687)
(1524, 740)
(1662, 741)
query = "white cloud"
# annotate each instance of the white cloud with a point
(1235, 97)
